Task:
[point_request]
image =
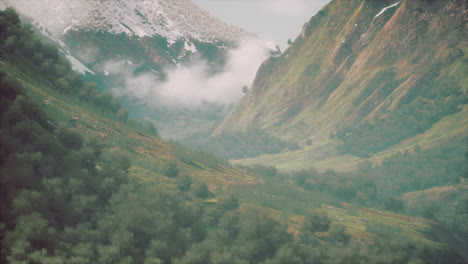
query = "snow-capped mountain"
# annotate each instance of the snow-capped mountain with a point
(169, 18)
(155, 33)
(154, 54)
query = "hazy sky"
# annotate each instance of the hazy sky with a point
(275, 20)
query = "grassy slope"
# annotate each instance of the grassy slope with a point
(323, 155)
(348, 43)
(290, 208)
(184, 129)
(150, 156)
(437, 194)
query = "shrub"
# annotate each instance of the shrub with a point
(70, 137)
(201, 190)
(184, 183)
(172, 171)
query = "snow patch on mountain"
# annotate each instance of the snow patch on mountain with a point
(76, 65)
(385, 9)
(173, 19)
(189, 46)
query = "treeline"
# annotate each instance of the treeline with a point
(20, 46)
(251, 143)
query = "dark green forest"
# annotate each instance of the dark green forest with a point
(66, 199)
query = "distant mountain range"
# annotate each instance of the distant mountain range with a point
(159, 33)
(173, 19)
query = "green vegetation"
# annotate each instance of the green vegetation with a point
(197, 158)
(67, 203)
(316, 223)
(21, 47)
(309, 213)
(390, 185)
(53, 184)
(406, 172)
(432, 98)
(172, 171)
(251, 143)
(150, 52)
(355, 79)
(81, 183)
(396, 175)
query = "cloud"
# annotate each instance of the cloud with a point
(192, 85)
(288, 7)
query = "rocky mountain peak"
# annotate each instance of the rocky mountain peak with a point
(168, 18)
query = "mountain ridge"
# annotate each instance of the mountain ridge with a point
(357, 64)
(157, 35)
(169, 18)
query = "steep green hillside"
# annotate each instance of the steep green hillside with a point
(361, 79)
